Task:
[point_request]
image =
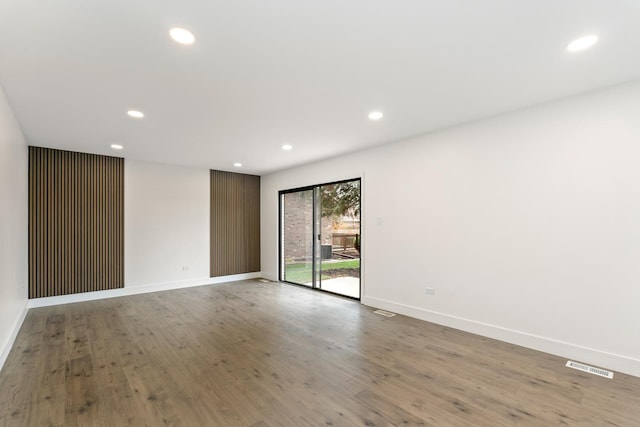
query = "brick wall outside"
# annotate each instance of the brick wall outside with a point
(298, 226)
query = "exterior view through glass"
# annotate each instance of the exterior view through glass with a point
(320, 237)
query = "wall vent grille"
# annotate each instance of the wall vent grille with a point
(589, 369)
(384, 313)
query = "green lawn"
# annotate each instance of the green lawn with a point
(301, 272)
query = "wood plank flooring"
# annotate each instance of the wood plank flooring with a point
(268, 354)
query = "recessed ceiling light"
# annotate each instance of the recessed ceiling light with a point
(582, 43)
(238, 165)
(287, 147)
(117, 146)
(135, 114)
(375, 115)
(182, 36)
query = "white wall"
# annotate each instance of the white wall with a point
(527, 225)
(166, 240)
(13, 227)
(166, 223)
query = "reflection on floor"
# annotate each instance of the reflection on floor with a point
(348, 286)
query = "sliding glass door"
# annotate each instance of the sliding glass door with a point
(339, 212)
(320, 237)
(297, 242)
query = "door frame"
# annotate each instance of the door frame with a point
(315, 255)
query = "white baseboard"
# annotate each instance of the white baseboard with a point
(141, 289)
(269, 276)
(14, 333)
(614, 362)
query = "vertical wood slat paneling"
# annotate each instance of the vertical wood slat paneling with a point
(76, 222)
(235, 223)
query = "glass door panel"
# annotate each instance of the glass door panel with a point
(339, 261)
(297, 237)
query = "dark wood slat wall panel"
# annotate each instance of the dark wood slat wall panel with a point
(235, 223)
(76, 222)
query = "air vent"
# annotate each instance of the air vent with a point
(384, 313)
(590, 369)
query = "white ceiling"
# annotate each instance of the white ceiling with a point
(265, 73)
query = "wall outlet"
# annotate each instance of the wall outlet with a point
(430, 291)
(185, 267)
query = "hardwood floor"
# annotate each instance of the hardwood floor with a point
(268, 354)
